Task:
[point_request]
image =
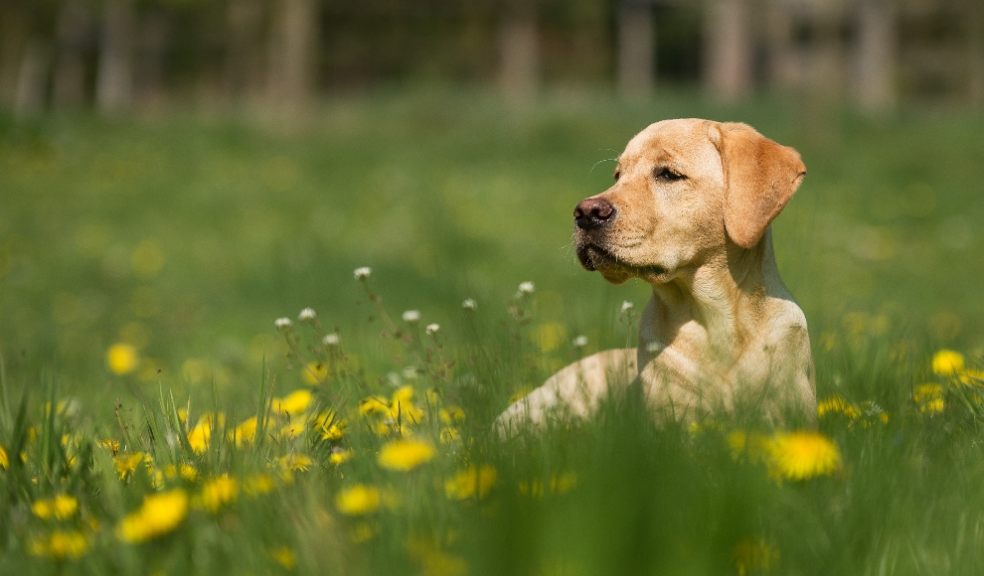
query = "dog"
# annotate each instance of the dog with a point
(689, 213)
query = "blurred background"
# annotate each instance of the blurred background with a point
(120, 55)
(175, 174)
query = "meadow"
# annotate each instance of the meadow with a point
(232, 345)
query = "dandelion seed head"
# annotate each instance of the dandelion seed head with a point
(469, 304)
(283, 323)
(332, 339)
(627, 306)
(526, 287)
(307, 315)
(362, 272)
(432, 329)
(411, 316)
(580, 341)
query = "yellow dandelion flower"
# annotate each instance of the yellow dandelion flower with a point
(294, 427)
(338, 457)
(451, 415)
(294, 403)
(374, 405)
(802, 455)
(160, 514)
(402, 407)
(929, 398)
(433, 560)
(947, 362)
(329, 426)
(284, 556)
(837, 405)
(111, 445)
(449, 434)
(61, 506)
(4, 459)
(126, 464)
(296, 462)
(971, 377)
(315, 373)
(258, 484)
(200, 436)
(122, 358)
(405, 455)
(470, 483)
(244, 433)
(60, 544)
(549, 335)
(218, 492)
(358, 500)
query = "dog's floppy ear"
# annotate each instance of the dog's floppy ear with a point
(760, 177)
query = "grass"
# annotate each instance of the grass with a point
(179, 240)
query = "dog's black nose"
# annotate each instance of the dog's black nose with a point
(592, 213)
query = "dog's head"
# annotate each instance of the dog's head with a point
(683, 190)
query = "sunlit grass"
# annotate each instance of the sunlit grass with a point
(157, 417)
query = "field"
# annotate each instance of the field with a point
(155, 420)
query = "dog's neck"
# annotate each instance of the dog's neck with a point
(713, 310)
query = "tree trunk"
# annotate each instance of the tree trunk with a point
(242, 73)
(32, 78)
(519, 49)
(293, 54)
(781, 53)
(13, 42)
(636, 49)
(114, 79)
(975, 52)
(68, 77)
(728, 49)
(876, 55)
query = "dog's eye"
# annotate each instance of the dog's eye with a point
(667, 175)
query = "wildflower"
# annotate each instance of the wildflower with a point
(339, 456)
(405, 455)
(358, 500)
(929, 398)
(122, 359)
(411, 316)
(126, 464)
(626, 307)
(331, 339)
(244, 433)
(258, 484)
(469, 304)
(307, 315)
(837, 405)
(284, 556)
(200, 435)
(283, 323)
(362, 273)
(432, 329)
(471, 483)
(526, 288)
(294, 403)
(580, 341)
(947, 362)
(4, 459)
(802, 455)
(433, 560)
(218, 492)
(111, 445)
(60, 506)
(60, 544)
(159, 514)
(295, 463)
(315, 373)
(549, 335)
(330, 426)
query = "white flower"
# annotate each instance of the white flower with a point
(526, 287)
(411, 316)
(307, 315)
(362, 272)
(469, 304)
(282, 323)
(627, 306)
(432, 329)
(581, 341)
(331, 339)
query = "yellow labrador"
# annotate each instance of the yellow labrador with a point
(689, 214)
